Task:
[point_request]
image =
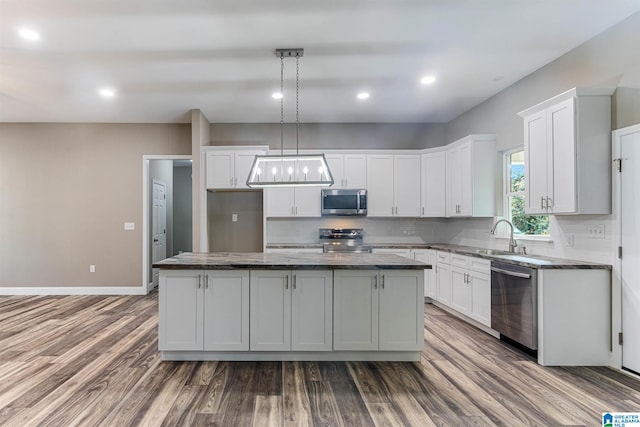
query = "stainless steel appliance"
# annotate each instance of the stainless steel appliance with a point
(343, 240)
(343, 201)
(514, 303)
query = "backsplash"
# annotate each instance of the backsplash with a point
(376, 230)
(565, 231)
(570, 237)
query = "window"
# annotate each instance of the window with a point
(524, 225)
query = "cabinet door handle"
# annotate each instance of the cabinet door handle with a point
(541, 202)
(549, 202)
(382, 284)
(199, 281)
(294, 281)
(206, 281)
(423, 211)
(375, 282)
(286, 281)
(231, 181)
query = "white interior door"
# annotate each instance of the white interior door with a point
(159, 226)
(630, 242)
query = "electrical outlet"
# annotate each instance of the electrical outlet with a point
(129, 226)
(568, 240)
(596, 231)
(92, 268)
(234, 217)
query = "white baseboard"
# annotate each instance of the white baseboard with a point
(74, 290)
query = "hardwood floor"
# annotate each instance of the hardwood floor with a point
(93, 361)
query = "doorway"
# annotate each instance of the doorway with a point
(167, 211)
(627, 281)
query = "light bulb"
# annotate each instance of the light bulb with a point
(305, 170)
(274, 171)
(258, 171)
(290, 170)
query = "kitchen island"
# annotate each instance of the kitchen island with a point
(259, 306)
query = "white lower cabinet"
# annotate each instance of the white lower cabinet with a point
(204, 310)
(464, 284)
(428, 256)
(378, 310)
(443, 278)
(291, 310)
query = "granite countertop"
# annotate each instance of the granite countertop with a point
(533, 261)
(265, 261)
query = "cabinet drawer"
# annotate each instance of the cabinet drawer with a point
(480, 265)
(459, 260)
(443, 257)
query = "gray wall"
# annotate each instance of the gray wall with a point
(332, 135)
(182, 217)
(608, 60)
(66, 191)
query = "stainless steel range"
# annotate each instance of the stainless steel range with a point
(343, 240)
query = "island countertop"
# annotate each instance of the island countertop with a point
(267, 261)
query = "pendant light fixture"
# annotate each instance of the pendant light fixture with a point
(289, 170)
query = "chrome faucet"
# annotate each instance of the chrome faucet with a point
(512, 242)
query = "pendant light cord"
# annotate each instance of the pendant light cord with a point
(297, 99)
(282, 104)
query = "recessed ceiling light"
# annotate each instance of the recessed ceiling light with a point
(29, 34)
(427, 80)
(107, 92)
(363, 95)
(276, 95)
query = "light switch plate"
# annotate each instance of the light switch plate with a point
(92, 268)
(129, 225)
(234, 217)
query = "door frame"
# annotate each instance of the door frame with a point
(146, 250)
(616, 278)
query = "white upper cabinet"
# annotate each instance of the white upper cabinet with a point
(471, 174)
(393, 185)
(348, 170)
(293, 201)
(434, 190)
(567, 144)
(229, 168)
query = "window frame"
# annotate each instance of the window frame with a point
(507, 193)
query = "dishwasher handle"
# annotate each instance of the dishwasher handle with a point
(511, 273)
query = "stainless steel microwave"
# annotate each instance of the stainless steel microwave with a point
(344, 201)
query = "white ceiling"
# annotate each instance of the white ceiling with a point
(166, 57)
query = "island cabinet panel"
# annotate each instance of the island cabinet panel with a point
(401, 310)
(181, 310)
(270, 310)
(226, 313)
(378, 310)
(355, 310)
(291, 310)
(204, 310)
(311, 311)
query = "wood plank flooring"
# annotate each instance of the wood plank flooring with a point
(93, 361)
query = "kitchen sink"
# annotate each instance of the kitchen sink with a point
(524, 258)
(490, 252)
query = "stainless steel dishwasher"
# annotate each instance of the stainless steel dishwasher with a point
(514, 303)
